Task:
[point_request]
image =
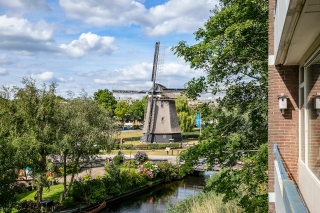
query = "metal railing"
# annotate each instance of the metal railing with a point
(289, 197)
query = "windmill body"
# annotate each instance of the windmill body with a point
(161, 121)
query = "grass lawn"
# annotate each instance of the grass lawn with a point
(131, 133)
(53, 193)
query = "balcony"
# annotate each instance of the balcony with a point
(287, 199)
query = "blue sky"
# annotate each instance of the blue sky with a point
(96, 44)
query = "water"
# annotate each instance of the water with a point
(158, 199)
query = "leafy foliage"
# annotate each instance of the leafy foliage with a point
(105, 99)
(186, 116)
(232, 50)
(168, 170)
(118, 159)
(141, 156)
(138, 109)
(122, 110)
(112, 179)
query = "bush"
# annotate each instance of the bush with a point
(68, 202)
(130, 164)
(150, 146)
(141, 157)
(131, 180)
(95, 191)
(118, 159)
(168, 171)
(111, 179)
(87, 177)
(91, 191)
(20, 188)
(27, 206)
(152, 167)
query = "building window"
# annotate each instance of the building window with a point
(161, 104)
(162, 120)
(301, 115)
(309, 124)
(164, 136)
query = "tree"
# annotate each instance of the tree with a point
(185, 114)
(138, 109)
(85, 129)
(32, 115)
(106, 100)
(232, 50)
(122, 111)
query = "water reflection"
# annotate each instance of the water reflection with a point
(157, 200)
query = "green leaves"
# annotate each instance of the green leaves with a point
(105, 99)
(232, 50)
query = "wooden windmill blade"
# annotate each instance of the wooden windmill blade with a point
(155, 63)
(129, 91)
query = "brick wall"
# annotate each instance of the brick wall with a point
(282, 128)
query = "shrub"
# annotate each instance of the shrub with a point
(20, 188)
(145, 173)
(91, 191)
(111, 179)
(141, 157)
(87, 177)
(79, 189)
(27, 206)
(168, 171)
(152, 167)
(130, 164)
(131, 180)
(95, 191)
(118, 159)
(68, 202)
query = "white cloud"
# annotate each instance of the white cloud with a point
(89, 42)
(138, 76)
(25, 5)
(22, 36)
(3, 71)
(182, 16)
(47, 77)
(4, 59)
(100, 13)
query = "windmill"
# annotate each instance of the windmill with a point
(161, 121)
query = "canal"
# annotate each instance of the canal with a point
(158, 199)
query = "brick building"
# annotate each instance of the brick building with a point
(294, 132)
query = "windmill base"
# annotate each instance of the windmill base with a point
(161, 138)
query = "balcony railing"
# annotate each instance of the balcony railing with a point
(287, 198)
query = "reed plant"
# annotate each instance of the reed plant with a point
(208, 202)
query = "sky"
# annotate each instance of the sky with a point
(97, 44)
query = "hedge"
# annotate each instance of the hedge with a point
(186, 135)
(150, 146)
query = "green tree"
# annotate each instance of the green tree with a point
(32, 113)
(138, 109)
(185, 114)
(232, 50)
(105, 99)
(121, 111)
(85, 129)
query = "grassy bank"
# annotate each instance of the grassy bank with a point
(52, 193)
(204, 202)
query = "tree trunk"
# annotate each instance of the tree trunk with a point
(72, 175)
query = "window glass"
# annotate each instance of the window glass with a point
(312, 86)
